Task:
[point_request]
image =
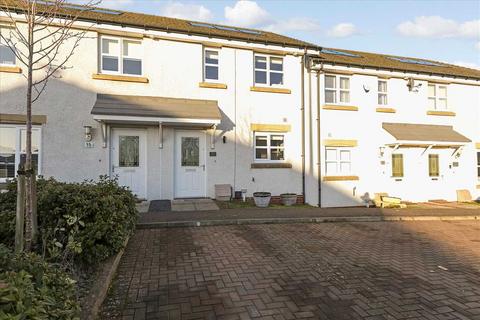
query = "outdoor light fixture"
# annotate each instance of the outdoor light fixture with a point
(88, 133)
(382, 151)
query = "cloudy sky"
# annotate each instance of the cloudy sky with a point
(440, 30)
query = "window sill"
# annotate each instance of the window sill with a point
(271, 165)
(12, 69)
(212, 85)
(386, 110)
(271, 90)
(113, 77)
(341, 178)
(339, 107)
(441, 113)
(260, 127)
(340, 143)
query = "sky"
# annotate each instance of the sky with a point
(446, 31)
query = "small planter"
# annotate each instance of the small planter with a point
(288, 199)
(262, 199)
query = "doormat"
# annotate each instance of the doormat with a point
(160, 205)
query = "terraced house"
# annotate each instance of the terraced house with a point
(174, 107)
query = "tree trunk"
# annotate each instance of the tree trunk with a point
(28, 147)
(20, 217)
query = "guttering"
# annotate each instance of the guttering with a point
(318, 70)
(319, 149)
(145, 27)
(393, 69)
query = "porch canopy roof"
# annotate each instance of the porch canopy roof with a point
(143, 110)
(408, 134)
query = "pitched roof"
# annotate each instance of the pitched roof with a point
(423, 132)
(152, 22)
(395, 63)
(143, 106)
(349, 57)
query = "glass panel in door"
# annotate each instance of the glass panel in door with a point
(190, 152)
(128, 147)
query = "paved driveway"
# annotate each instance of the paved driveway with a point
(372, 270)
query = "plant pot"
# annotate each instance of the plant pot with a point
(288, 199)
(262, 199)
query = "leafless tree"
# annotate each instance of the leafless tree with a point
(43, 36)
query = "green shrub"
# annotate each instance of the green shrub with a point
(7, 215)
(86, 222)
(32, 289)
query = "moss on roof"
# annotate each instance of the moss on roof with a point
(391, 62)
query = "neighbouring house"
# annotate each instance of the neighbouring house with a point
(174, 107)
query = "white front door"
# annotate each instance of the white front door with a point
(189, 164)
(129, 159)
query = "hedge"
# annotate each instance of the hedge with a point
(86, 222)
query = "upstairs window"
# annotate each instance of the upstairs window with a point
(7, 56)
(268, 70)
(210, 70)
(437, 97)
(338, 161)
(382, 93)
(337, 89)
(269, 146)
(121, 56)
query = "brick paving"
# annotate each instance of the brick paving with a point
(372, 270)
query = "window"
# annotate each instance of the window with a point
(121, 56)
(190, 152)
(269, 146)
(437, 97)
(338, 161)
(382, 93)
(478, 165)
(268, 70)
(128, 151)
(397, 165)
(433, 165)
(13, 150)
(337, 89)
(210, 65)
(7, 56)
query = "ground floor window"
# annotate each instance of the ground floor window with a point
(478, 165)
(397, 165)
(269, 146)
(338, 161)
(433, 165)
(13, 150)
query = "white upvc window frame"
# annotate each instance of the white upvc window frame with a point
(3, 44)
(436, 97)
(18, 147)
(268, 71)
(382, 93)
(120, 56)
(478, 165)
(205, 64)
(337, 89)
(268, 147)
(339, 161)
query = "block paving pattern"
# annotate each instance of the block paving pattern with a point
(372, 270)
